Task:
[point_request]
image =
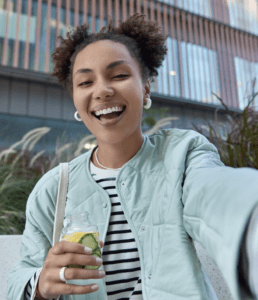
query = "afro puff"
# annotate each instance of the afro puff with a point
(142, 39)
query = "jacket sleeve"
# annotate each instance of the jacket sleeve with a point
(36, 239)
(218, 202)
(30, 287)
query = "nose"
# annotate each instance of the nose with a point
(102, 89)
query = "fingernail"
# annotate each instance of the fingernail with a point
(94, 287)
(87, 249)
(99, 260)
(102, 273)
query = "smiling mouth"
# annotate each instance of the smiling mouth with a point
(109, 116)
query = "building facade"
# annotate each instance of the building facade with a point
(212, 49)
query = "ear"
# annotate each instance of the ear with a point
(148, 87)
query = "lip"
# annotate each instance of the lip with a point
(110, 122)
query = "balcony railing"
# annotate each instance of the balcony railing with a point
(206, 53)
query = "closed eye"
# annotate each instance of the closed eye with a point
(121, 75)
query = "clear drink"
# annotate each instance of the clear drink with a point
(79, 230)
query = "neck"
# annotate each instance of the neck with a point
(114, 156)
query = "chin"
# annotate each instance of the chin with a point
(111, 137)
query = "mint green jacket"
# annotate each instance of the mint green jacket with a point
(173, 191)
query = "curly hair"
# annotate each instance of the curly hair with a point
(141, 38)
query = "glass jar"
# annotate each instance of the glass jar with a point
(79, 230)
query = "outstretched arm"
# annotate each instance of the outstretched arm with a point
(248, 263)
(218, 202)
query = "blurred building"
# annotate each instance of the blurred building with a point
(213, 48)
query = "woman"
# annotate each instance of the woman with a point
(150, 196)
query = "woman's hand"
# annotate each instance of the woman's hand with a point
(62, 254)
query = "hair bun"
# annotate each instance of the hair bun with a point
(142, 38)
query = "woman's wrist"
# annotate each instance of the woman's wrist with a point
(38, 295)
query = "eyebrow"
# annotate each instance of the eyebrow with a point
(110, 66)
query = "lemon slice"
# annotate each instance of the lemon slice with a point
(74, 237)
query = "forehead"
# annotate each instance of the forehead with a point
(100, 54)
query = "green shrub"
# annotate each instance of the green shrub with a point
(239, 147)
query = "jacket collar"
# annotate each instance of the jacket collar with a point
(134, 162)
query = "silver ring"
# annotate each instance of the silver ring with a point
(61, 274)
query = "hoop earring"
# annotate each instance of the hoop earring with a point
(148, 104)
(77, 116)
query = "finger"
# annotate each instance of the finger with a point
(75, 259)
(70, 247)
(101, 244)
(69, 289)
(75, 273)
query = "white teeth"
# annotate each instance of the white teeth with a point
(97, 113)
(107, 111)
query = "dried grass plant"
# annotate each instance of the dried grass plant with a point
(20, 169)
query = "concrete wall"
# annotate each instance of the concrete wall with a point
(35, 99)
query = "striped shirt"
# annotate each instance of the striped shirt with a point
(30, 290)
(120, 256)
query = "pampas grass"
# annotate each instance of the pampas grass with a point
(21, 168)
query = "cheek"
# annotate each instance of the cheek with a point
(80, 104)
(76, 102)
(76, 106)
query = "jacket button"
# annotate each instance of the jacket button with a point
(122, 183)
(104, 205)
(143, 228)
(150, 276)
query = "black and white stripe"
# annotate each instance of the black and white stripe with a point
(31, 286)
(120, 254)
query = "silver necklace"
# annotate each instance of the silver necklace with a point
(103, 166)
